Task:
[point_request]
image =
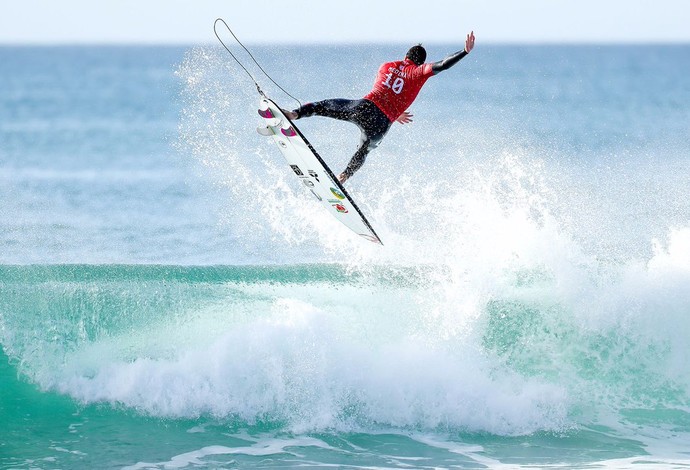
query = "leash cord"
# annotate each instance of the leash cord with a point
(258, 88)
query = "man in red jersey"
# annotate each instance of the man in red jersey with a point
(397, 85)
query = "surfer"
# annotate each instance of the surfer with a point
(396, 87)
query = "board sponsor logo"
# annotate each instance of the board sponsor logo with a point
(315, 194)
(314, 175)
(334, 201)
(296, 169)
(308, 183)
(337, 193)
(340, 208)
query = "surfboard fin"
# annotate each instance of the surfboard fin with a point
(289, 132)
(268, 115)
(265, 131)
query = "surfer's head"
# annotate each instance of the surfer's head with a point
(416, 54)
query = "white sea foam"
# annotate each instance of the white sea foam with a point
(264, 447)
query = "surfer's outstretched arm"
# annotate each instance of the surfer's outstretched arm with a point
(453, 59)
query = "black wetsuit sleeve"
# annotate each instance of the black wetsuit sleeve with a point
(448, 62)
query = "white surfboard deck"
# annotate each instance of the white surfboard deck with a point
(312, 171)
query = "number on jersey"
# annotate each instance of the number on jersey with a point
(397, 84)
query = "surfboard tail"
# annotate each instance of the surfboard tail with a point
(308, 166)
(265, 112)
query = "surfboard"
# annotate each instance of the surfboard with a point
(313, 173)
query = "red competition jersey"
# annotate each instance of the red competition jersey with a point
(397, 85)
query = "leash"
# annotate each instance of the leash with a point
(258, 88)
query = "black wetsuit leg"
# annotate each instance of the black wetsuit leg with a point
(373, 123)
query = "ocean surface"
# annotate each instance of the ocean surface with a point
(171, 297)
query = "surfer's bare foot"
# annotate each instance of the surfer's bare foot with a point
(291, 115)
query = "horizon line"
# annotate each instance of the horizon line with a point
(638, 43)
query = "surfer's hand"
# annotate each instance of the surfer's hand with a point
(404, 118)
(469, 42)
(342, 178)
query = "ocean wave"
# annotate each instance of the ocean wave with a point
(330, 347)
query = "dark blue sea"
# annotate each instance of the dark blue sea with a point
(172, 297)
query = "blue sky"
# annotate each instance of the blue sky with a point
(323, 21)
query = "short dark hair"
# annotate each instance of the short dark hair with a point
(416, 54)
